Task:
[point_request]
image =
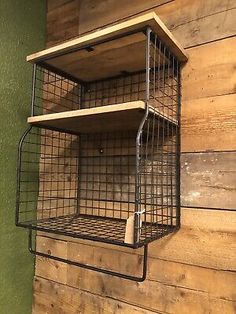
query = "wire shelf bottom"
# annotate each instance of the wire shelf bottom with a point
(97, 228)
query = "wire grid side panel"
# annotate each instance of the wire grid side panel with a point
(54, 93)
(163, 81)
(125, 88)
(159, 150)
(107, 174)
(157, 178)
(48, 176)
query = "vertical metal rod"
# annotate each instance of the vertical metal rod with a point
(33, 89)
(82, 90)
(148, 64)
(138, 142)
(178, 144)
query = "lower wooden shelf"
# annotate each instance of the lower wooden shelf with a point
(112, 118)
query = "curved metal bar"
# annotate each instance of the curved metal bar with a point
(21, 141)
(90, 267)
(138, 137)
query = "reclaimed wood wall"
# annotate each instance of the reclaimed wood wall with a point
(192, 271)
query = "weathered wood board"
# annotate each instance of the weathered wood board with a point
(55, 298)
(65, 299)
(208, 180)
(210, 70)
(209, 124)
(218, 16)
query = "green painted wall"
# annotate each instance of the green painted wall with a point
(22, 31)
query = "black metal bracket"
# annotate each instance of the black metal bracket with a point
(90, 267)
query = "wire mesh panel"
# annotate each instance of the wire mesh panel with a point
(158, 147)
(101, 186)
(53, 92)
(47, 176)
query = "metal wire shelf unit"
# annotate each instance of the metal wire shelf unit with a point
(87, 185)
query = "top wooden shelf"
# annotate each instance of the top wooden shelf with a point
(98, 55)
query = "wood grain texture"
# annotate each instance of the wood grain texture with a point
(97, 119)
(181, 269)
(175, 278)
(209, 124)
(208, 219)
(53, 4)
(62, 20)
(192, 22)
(95, 14)
(66, 299)
(216, 283)
(93, 65)
(208, 180)
(55, 298)
(210, 28)
(210, 70)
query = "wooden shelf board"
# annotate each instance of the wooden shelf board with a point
(112, 118)
(109, 58)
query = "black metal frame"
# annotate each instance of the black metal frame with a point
(157, 219)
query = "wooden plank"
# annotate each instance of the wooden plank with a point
(208, 29)
(61, 34)
(187, 246)
(209, 124)
(192, 22)
(185, 275)
(107, 59)
(94, 14)
(54, 298)
(188, 20)
(208, 179)
(53, 4)
(210, 70)
(62, 20)
(173, 13)
(190, 272)
(98, 119)
(150, 295)
(49, 268)
(208, 219)
(219, 284)
(150, 19)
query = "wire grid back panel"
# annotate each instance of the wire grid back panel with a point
(107, 174)
(55, 93)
